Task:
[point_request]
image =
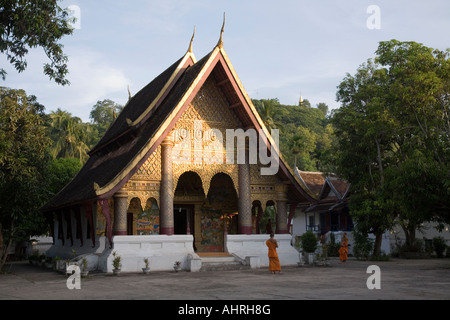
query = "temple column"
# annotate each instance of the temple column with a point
(281, 194)
(120, 213)
(166, 188)
(244, 202)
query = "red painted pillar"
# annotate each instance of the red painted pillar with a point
(282, 227)
(245, 223)
(120, 213)
(166, 188)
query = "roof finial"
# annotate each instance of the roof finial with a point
(192, 40)
(220, 43)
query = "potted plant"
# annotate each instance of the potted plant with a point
(84, 267)
(146, 270)
(49, 262)
(309, 245)
(58, 264)
(117, 264)
(71, 261)
(34, 258)
(41, 261)
(177, 266)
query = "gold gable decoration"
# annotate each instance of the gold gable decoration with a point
(195, 148)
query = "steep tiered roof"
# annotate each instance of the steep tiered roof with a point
(150, 115)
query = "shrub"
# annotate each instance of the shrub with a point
(439, 246)
(333, 247)
(117, 264)
(309, 242)
(363, 245)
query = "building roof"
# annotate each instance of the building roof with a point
(330, 191)
(314, 181)
(149, 116)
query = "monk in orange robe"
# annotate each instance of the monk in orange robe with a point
(274, 262)
(343, 250)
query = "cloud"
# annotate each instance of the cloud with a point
(92, 75)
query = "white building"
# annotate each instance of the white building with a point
(331, 214)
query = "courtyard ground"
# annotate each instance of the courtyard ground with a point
(400, 279)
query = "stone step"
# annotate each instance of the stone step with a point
(221, 263)
(218, 259)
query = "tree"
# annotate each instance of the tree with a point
(324, 149)
(103, 113)
(307, 133)
(302, 145)
(419, 89)
(267, 109)
(69, 136)
(26, 24)
(60, 172)
(363, 128)
(23, 162)
(393, 138)
(323, 107)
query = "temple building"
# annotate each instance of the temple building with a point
(330, 211)
(187, 169)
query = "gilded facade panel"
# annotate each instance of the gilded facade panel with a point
(199, 137)
(199, 147)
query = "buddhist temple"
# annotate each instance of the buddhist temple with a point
(187, 169)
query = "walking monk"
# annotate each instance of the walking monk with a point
(274, 262)
(343, 251)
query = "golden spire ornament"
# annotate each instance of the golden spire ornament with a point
(192, 41)
(220, 43)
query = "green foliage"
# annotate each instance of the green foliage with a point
(333, 247)
(267, 109)
(23, 162)
(362, 245)
(29, 176)
(309, 242)
(306, 135)
(117, 261)
(28, 24)
(392, 138)
(103, 113)
(269, 215)
(60, 172)
(69, 135)
(72, 138)
(439, 246)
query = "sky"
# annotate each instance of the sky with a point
(280, 49)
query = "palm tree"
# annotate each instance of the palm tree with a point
(68, 136)
(295, 144)
(266, 110)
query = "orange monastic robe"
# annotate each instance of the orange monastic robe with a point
(343, 251)
(274, 262)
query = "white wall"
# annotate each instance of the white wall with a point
(161, 250)
(429, 231)
(254, 245)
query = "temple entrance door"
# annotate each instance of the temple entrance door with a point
(183, 215)
(188, 198)
(129, 223)
(217, 214)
